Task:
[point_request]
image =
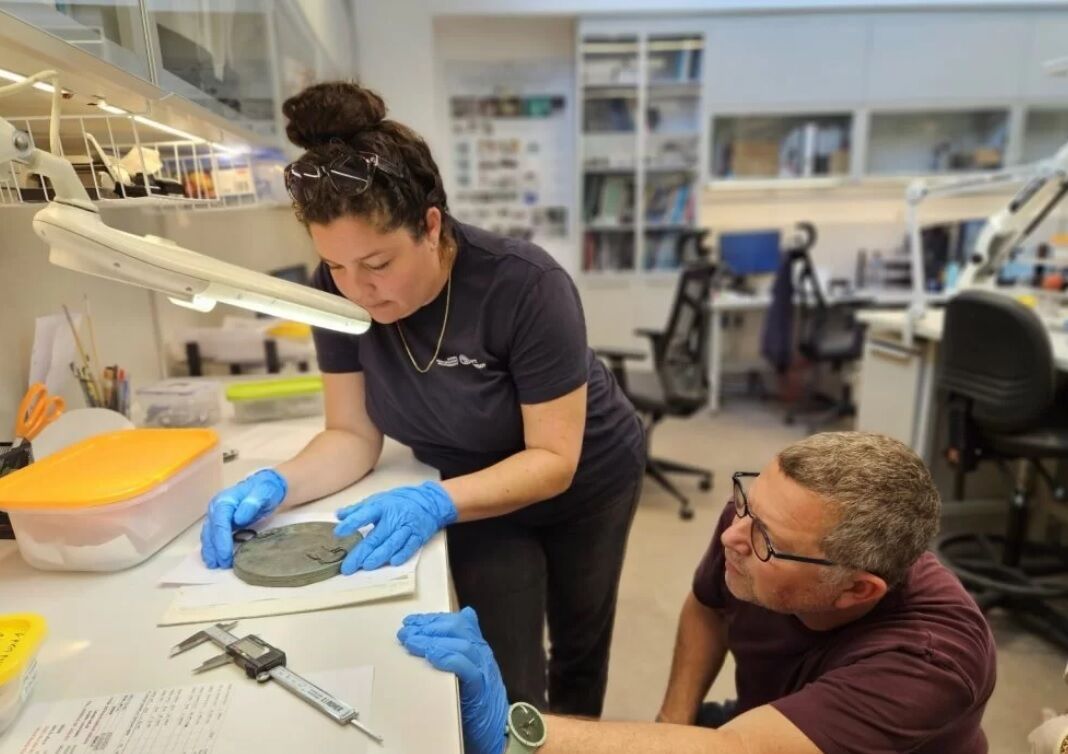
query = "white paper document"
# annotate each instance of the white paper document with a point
(181, 720)
(205, 594)
(233, 717)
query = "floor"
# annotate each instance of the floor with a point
(664, 550)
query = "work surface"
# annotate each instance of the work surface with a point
(929, 327)
(103, 638)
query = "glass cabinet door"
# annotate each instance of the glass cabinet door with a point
(916, 143)
(112, 30)
(1045, 132)
(781, 146)
(220, 59)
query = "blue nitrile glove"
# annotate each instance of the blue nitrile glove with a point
(236, 507)
(404, 518)
(453, 642)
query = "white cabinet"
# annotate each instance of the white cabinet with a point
(1048, 43)
(891, 376)
(785, 60)
(947, 57)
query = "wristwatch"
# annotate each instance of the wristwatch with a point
(526, 729)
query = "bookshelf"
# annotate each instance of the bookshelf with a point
(641, 139)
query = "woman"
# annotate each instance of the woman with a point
(477, 360)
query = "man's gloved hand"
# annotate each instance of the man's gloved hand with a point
(453, 642)
(1048, 737)
(234, 508)
(404, 518)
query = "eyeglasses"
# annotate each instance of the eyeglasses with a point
(350, 175)
(758, 535)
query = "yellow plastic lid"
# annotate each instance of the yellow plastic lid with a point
(289, 387)
(109, 468)
(20, 635)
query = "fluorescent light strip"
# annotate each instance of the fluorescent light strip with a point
(17, 78)
(168, 129)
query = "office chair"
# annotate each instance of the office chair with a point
(826, 335)
(998, 372)
(678, 386)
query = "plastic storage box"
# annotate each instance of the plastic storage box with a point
(180, 403)
(111, 501)
(20, 637)
(264, 400)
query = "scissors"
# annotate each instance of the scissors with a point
(37, 410)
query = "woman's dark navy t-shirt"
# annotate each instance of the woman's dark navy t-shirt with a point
(516, 334)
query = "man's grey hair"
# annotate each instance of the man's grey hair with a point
(884, 508)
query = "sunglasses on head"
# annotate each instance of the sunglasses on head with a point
(349, 174)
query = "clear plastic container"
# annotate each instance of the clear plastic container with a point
(267, 400)
(21, 635)
(180, 403)
(111, 501)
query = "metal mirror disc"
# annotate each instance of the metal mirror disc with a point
(294, 555)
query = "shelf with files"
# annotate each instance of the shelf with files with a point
(641, 99)
(610, 101)
(790, 145)
(915, 142)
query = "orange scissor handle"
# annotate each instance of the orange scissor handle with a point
(37, 409)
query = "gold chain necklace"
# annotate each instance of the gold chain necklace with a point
(441, 335)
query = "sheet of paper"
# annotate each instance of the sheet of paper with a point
(212, 595)
(233, 717)
(53, 351)
(179, 720)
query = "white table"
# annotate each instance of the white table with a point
(897, 380)
(732, 302)
(103, 638)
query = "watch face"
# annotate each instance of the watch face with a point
(527, 725)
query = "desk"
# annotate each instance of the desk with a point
(897, 381)
(732, 302)
(103, 638)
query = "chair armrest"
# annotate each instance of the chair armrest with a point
(616, 358)
(620, 354)
(656, 341)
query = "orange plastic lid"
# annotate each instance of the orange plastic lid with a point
(108, 468)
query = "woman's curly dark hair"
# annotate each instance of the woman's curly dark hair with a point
(338, 118)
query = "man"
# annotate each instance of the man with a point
(847, 635)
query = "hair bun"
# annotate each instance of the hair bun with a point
(331, 110)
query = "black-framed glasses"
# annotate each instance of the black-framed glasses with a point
(758, 535)
(350, 174)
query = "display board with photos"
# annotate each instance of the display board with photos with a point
(510, 157)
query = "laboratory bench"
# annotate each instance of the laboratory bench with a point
(103, 637)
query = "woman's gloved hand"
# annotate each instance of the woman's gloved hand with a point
(1048, 737)
(453, 642)
(234, 508)
(404, 519)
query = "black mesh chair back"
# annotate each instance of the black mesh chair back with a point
(682, 364)
(996, 353)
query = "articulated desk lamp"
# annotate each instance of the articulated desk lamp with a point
(79, 240)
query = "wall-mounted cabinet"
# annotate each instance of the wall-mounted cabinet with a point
(641, 97)
(919, 143)
(1045, 131)
(237, 62)
(781, 146)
